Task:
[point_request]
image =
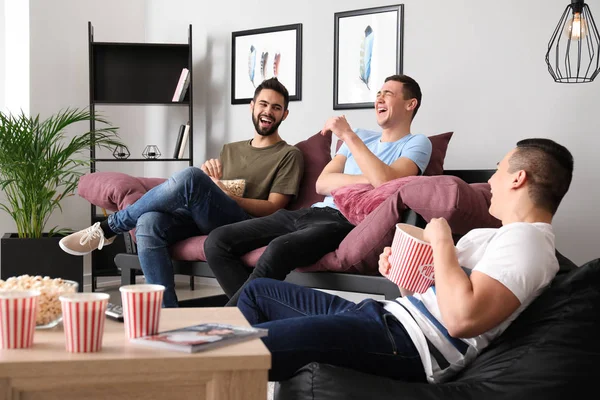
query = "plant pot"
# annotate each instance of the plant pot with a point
(41, 256)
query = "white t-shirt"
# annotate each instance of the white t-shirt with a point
(520, 255)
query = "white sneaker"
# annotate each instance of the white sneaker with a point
(85, 241)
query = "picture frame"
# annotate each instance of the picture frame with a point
(368, 46)
(259, 54)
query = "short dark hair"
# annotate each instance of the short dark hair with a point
(410, 89)
(273, 84)
(549, 169)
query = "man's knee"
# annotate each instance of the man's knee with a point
(150, 224)
(217, 239)
(191, 175)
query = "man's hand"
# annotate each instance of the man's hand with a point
(437, 231)
(384, 263)
(213, 168)
(339, 126)
(221, 186)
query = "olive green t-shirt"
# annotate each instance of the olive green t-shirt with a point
(277, 168)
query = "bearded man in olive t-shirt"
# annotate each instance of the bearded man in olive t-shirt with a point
(195, 201)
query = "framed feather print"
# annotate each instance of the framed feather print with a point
(367, 49)
(260, 54)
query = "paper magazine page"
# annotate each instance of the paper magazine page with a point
(200, 337)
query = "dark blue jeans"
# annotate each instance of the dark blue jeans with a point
(307, 325)
(187, 204)
(294, 238)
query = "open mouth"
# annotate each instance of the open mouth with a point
(265, 121)
(381, 110)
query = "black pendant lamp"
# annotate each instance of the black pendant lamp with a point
(574, 50)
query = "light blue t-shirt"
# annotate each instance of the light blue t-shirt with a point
(414, 147)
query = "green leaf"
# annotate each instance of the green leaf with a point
(40, 165)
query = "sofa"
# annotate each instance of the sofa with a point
(374, 212)
(551, 351)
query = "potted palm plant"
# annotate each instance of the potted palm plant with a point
(40, 166)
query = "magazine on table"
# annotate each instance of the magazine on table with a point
(192, 339)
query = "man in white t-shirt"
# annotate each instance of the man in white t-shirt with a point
(481, 286)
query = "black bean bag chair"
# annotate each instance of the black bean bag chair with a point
(551, 351)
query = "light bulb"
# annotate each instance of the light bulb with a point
(577, 28)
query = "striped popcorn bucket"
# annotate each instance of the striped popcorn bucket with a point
(411, 259)
(18, 311)
(83, 321)
(141, 309)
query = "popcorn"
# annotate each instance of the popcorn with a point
(49, 308)
(235, 186)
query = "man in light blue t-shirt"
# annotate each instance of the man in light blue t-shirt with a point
(300, 238)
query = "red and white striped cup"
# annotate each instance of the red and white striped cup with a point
(141, 309)
(411, 259)
(18, 312)
(83, 321)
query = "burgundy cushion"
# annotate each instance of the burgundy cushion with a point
(357, 201)
(114, 190)
(439, 146)
(464, 205)
(317, 154)
(359, 251)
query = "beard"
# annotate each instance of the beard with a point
(262, 131)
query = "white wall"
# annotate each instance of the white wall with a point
(16, 52)
(480, 64)
(2, 54)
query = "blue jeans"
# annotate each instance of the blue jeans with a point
(187, 204)
(307, 325)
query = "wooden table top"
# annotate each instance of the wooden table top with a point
(117, 353)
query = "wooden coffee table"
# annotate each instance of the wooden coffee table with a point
(127, 371)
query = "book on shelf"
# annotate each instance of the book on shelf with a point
(184, 140)
(178, 142)
(195, 338)
(182, 85)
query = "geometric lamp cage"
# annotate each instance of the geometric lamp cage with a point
(574, 50)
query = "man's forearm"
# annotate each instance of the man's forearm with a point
(374, 170)
(334, 180)
(254, 207)
(453, 287)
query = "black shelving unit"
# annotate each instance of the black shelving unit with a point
(123, 74)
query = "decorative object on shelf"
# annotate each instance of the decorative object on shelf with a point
(367, 49)
(574, 49)
(121, 153)
(151, 152)
(260, 54)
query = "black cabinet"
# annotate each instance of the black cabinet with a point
(124, 74)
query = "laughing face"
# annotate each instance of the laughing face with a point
(268, 112)
(390, 106)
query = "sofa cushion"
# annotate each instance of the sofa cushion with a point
(359, 251)
(465, 206)
(439, 146)
(114, 191)
(355, 202)
(317, 154)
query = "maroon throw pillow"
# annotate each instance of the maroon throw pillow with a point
(114, 191)
(465, 206)
(357, 201)
(439, 146)
(316, 151)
